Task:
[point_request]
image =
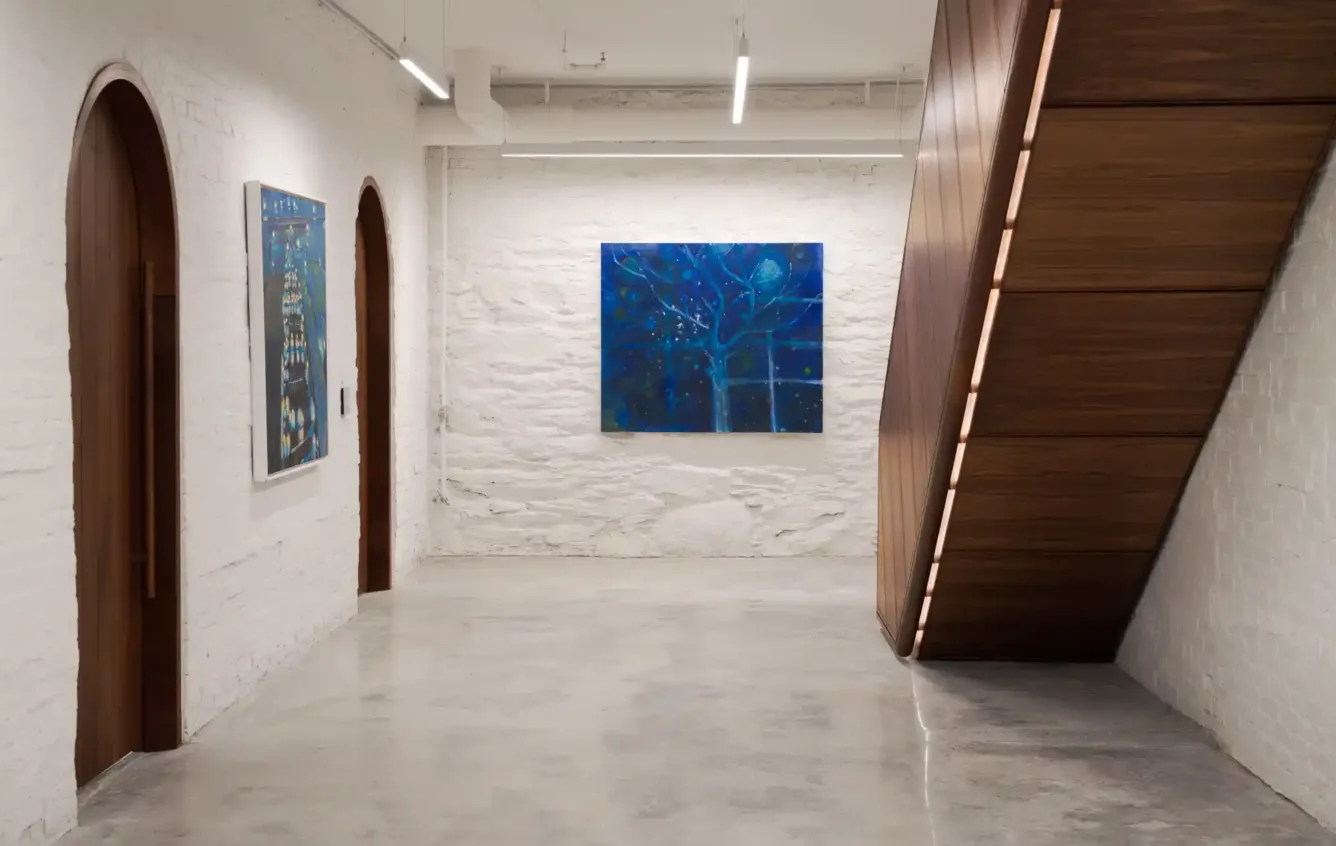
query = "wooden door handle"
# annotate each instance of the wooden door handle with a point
(150, 553)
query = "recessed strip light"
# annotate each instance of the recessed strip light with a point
(957, 464)
(941, 532)
(923, 615)
(1017, 188)
(989, 316)
(994, 297)
(555, 155)
(1041, 79)
(969, 416)
(1003, 252)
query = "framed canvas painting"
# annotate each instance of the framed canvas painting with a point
(285, 238)
(712, 337)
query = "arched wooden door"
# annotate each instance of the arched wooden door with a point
(121, 287)
(374, 392)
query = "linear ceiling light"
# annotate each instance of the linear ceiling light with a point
(403, 55)
(740, 80)
(407, 63)
(702, 155)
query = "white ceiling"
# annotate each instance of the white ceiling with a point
(668, 41)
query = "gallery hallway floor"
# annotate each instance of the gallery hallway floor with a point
(631, 703)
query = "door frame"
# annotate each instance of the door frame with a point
(379, 572)
(137, 118)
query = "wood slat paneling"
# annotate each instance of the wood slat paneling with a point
(1137, 51)
(1073, 494)
(1111, 364)
(1176, 145)
(1172, 198)
(985, 53)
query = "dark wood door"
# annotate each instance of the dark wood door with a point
(373, 393)
(106, 365)
(363, 440)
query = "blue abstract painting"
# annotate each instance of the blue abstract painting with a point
(291, 349)
(712, 337)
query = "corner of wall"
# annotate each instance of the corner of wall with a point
(438, 193)
(1235, 628)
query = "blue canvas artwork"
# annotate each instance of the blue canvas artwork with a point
(712, 337)
(291, 349)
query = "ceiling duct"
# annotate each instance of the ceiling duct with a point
(457, 126)
(482, 118)
(477, 119)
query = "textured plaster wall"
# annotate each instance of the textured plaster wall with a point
(275, 90)
(528, 471)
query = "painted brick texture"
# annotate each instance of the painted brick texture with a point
(276, 90)
(528, 471)
(1237, 627)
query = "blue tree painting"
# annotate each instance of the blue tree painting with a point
(712, 337)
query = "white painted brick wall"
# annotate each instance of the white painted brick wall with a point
(529, 472)
(277, 90)
(438, 193)
(1237, 628)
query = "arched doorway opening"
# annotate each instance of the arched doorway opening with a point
(121, 284)
(374, 392)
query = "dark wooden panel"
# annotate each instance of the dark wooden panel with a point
(1163, 198)
(1018, 640)
(1110, 364)
(991, 587)
(911, 401)
(374, 378)
(1080, 494)
(121, 284)
(984, 58)
(1153, 217)
(107, 396)
(888, 508)
(363, 463)
(159, 340)
(1032, 605)
(968, 130)
(1193, 50)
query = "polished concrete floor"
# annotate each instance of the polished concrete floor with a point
(753, 703)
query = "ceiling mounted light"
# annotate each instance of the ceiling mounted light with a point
(870, 150)
(407, 62)
(404, 56)
(542, 155)
(740, 79)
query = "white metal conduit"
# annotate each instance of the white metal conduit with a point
(446, 126)
(476, 119)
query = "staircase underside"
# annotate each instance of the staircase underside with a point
(1103, 194)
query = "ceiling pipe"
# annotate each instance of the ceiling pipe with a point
(367, 32)
(446, 126)
(477, 119)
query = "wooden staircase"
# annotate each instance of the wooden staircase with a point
(1104, 190)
